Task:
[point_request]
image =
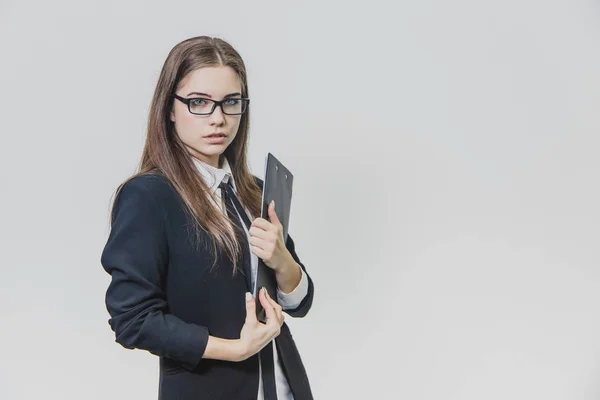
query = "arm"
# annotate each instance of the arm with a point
(295, 287)
(291, 306)
(254, 334)
(223, 349)
(289, 276)
(135, 256)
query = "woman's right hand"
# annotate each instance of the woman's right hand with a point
(255, 335)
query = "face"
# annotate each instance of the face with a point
(214, 83)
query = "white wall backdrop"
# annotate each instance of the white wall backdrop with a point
(446, 187)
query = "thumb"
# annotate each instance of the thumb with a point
(272, 214)
(250, 308)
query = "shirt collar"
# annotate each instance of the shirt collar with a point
(214, 176)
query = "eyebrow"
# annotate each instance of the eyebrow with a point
(208, 95)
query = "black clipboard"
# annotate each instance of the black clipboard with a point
(277, 186)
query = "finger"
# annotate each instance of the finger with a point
(258, 232)
(273, 215)
(260, 243)
(278, 309)
(273, 302)
(279, 313)
(250, 308)
(271, 210)
(262, 224)
(260, 253)
(273, 226)
(269, 310)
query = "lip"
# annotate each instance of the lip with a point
(215, 133)
(215, 140)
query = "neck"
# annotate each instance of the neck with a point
(215, 161)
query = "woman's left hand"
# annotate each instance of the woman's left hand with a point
(266, 239)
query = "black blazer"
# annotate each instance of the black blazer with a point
(164, 298)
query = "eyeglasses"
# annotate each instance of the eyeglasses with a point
(202, 106)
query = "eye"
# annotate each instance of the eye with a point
(198, 102)
(232, 102)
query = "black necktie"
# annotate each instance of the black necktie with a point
(266, 354)
(231, 203)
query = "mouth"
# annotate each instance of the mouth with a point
(216, 135)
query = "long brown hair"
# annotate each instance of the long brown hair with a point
(164, 153)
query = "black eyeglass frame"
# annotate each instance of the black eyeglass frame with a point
(245, 103)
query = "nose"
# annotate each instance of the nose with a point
(217, 117)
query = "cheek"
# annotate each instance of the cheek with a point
(234, 127)
(189, 128)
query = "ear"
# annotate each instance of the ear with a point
(172, 115)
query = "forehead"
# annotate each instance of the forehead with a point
(215, 81)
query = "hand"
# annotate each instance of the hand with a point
(255, 335)
(266, 241)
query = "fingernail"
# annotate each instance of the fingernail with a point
(273, 202)
(265, 291)
(248, 296)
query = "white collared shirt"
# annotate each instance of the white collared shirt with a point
(213, 178)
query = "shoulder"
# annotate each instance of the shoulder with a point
(147, 190)
(152, 183)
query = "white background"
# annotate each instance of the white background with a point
(446, 192)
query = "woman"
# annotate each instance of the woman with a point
(182, 254)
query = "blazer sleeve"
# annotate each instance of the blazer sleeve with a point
(136, 256)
